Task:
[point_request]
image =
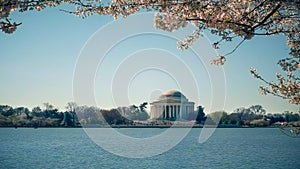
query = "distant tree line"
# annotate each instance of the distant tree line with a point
(135, 113)
(49, 116)
(76, 116)
(255, 116)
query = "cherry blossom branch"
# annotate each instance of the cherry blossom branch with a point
(268, 16)
(256, 7)
(287, 88)
(220, 21)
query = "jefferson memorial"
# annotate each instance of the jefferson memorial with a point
(172, 104)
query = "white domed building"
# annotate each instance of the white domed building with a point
(171, 105)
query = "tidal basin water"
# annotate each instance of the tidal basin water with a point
(72, 148)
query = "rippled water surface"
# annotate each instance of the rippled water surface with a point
(72, 148)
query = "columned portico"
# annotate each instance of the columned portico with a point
(171, 105)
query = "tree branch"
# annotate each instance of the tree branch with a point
(235, 48)
(220, 21)
(268, 16)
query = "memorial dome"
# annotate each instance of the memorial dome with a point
(172, 95)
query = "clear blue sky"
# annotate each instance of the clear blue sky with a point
(37, 64)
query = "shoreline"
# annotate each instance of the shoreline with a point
(142, 126)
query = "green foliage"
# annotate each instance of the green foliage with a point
(6, 110)
(200, 119)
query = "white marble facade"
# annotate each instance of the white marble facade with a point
(172, 104)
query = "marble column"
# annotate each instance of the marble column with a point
(173, 111)
(170, 111)
(174, 107)
(177, 111)
(160, 114)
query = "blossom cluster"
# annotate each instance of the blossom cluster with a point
(287, 87)
(9, 6)
(189, 40)
(169, 21)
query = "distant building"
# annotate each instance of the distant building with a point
(172, 104)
